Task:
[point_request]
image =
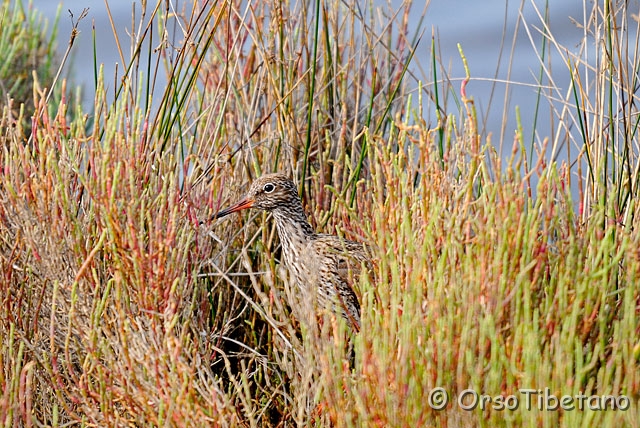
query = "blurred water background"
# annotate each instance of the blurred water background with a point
(501, 40)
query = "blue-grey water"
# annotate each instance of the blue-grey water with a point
(485, 30)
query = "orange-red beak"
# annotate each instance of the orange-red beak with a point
(242, 204)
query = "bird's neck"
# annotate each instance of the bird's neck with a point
(293, 229)
(293, 221)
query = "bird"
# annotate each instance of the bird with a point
(317, 263)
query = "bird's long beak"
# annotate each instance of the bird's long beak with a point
(242, 204)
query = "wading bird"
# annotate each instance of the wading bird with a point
(321, 266)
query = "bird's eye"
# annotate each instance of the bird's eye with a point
(268, 188)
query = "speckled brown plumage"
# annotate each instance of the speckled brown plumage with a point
(316, 262)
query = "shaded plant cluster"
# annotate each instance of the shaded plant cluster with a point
(28, 58)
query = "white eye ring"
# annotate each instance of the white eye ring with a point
(268, 188)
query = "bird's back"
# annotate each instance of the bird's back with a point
(337, 264)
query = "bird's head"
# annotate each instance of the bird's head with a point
(269, 192)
